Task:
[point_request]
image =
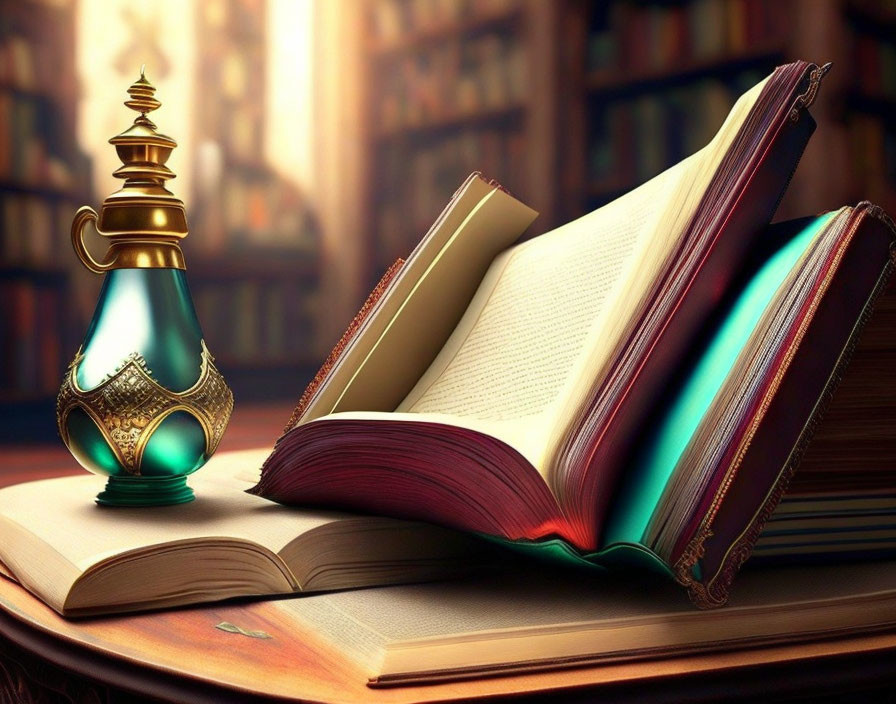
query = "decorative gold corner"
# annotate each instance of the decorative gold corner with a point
(704, 596)
(806, 99)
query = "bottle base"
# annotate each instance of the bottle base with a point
(145, 491)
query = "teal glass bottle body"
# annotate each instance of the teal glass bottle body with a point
(147, 313)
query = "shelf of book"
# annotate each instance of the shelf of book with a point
(258, 315)
(447, 123)
(621, 89)
(254, 272)
(389, 38)
(42, 177)
(448, 94)
(652, 97)
(33, 327)
(657, 81)
(869, 104)
(613, 82)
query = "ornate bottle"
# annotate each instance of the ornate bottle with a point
(142, 401)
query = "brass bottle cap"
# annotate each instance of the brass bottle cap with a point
(143, 220)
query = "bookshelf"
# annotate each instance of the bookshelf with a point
(613, 93)
(257, 316)
(658, 80)
(448, 93)
(652, 93)
(253, 267)
(870, 103)
(42, 177)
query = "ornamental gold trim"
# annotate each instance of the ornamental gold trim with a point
(129, 405)
(805, 100)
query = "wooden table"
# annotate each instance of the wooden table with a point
(180, 656)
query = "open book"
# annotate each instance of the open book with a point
(84, 559)
(525, 622)
(507, 390)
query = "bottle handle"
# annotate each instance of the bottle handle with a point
(84, 215)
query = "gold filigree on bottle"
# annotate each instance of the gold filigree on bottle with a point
(130, 404)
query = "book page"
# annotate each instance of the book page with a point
(530, 317)
(528, 617)
(546, 318)
(61, 514)
(511, 356)
(424, 305)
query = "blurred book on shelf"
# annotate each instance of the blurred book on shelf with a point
(33, 225)
(870, 104)
(30, 324)
(634, 138)
(392, 21)
(634, 86)
(42, 177)
(567, 103)
(450, 94)
(264, 316)
(255, 270)
(658, 36)
(485, 73)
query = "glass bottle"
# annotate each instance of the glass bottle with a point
(142, 401)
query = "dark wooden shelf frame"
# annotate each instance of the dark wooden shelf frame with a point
(416, 39)
(480, 119)
(619, 81)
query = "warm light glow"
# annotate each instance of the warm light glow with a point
(109, 60)
(289, 115)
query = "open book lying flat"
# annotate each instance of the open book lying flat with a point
(512, 391)
(83, 559)
(525, 622)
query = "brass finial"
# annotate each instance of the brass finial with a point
(142, 100)
(143, 150)
(143, 219)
